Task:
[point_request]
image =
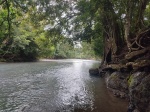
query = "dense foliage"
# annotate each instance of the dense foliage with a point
(49, 28)
(45, 29)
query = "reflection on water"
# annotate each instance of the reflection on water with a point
(54, 86)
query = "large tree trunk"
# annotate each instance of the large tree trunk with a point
(112, 35)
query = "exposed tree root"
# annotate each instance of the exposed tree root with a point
(133, 54)
(139, 64)
(143, 36)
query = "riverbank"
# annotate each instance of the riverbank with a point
(47, 59)
(132, 86)
(128, 76)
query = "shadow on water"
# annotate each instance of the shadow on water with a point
(94, 76)
(55, 86)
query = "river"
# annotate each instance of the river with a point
(55, 86)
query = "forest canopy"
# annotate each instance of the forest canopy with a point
(31, 29)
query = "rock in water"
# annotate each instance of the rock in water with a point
(94, 71)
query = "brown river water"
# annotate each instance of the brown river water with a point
(55, 86)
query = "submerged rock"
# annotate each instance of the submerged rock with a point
(94, 71)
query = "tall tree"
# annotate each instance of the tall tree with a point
(126, 36)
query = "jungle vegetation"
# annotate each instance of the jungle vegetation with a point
(32, 29)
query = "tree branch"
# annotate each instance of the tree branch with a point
(135, 53)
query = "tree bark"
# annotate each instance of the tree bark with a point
(127, 24)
